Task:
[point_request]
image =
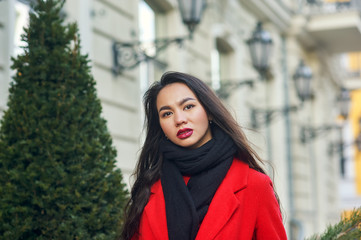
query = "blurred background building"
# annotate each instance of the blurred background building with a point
(289, 71)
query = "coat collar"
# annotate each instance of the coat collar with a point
(223, 204)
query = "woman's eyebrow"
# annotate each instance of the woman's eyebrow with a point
(164, 108)
(181, 102)
(185, 100)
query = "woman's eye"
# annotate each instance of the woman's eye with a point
(166, 114)
(189, 106)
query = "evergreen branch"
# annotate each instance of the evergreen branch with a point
(347, 228)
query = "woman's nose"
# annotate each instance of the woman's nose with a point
(180, 118)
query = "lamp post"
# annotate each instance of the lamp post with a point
(128, 55)
(341, 146)
(344, 101)
(260, 46)
(302, 79)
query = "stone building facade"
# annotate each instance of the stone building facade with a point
(306, 177)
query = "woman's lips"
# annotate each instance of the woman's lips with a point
(184, 133)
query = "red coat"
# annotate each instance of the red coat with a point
(244, 207)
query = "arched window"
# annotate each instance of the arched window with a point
(222, 62)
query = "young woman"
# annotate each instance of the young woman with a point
(197, 176)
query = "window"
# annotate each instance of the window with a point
(222, 62)
(216, 72)
(354, 63)
(21, 20)
(146, 36)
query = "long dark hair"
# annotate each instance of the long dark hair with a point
(149, 164)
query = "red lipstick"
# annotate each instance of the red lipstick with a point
(184, 133)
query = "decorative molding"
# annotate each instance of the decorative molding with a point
(274, 11)
(161, 6)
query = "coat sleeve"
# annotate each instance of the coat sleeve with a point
(269, 223)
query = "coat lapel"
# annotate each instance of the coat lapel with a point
(155, 213)
(225, 202)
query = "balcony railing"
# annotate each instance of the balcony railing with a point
(316, 7)
(351, 65)
(339, 65)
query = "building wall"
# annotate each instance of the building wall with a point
(351, 191)
(303, 173)
(100, 23)
(356, 121)
(7, 18)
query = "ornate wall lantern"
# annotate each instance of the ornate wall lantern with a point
(302, 78)
(260, 47)
(358, 138)
(344, 102)
(128, 55)
(191, 12)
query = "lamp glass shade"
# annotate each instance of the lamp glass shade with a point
(344, 103)
(302, 78)
(358, 142)
(260, 47)
(191, 12)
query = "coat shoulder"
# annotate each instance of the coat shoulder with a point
(256, 177)
(249, 175)
(255, 181)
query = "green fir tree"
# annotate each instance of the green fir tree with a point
(57, 164)
(347, 229)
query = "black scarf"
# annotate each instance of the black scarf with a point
(186, 205)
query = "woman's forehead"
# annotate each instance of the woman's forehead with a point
(175, 92)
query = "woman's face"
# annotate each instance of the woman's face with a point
(182, 117)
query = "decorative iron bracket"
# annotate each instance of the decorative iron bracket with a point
(128, 55)
(227, 87)
(261, 117)
(309, 133)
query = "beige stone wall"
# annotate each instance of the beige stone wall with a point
(7, 16)
(225, 26)
(101, 23)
